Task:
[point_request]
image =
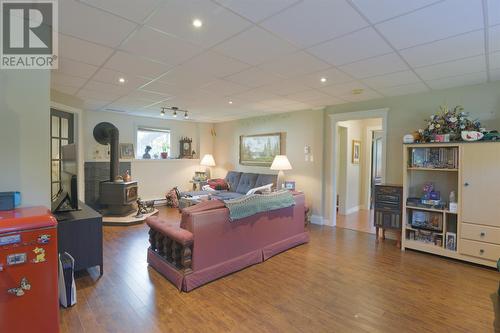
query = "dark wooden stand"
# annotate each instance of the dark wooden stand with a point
(80, 234)
(388, 209)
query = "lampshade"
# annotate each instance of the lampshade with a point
(281, 163)
(208, 161)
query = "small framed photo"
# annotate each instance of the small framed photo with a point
(290, 185)
(127, 151)
(451, 241)
(356, 151)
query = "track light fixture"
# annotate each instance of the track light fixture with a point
(162, 112)
(186, 115)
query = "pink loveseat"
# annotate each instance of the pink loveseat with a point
(206, 245)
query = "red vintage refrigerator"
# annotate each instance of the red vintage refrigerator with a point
(28, 271)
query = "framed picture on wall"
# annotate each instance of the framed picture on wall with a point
(356, 151)
(260, 149)
(127, 151)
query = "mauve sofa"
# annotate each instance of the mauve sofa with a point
(206, 245)
(239, 184)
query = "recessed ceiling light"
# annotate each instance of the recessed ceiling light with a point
(121, 80)
(230, 102)
(197, 23)
(323, 79)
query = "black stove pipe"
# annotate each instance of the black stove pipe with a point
(107, 133)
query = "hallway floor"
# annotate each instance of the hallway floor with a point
(362, 221)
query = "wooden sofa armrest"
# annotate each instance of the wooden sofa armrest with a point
(173, 244)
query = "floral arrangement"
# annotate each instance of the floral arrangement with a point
(449, 122)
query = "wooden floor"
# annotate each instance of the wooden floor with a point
(362, 220)
(342, 281)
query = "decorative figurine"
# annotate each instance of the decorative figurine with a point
(144, 207)
(146, 155)
(126, 177)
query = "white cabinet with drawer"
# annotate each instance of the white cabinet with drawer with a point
(480, 233)
(481, 250)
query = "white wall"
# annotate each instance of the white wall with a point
(302, 128)
(155, 177)
(24, 135)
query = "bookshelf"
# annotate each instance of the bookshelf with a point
(470, 231)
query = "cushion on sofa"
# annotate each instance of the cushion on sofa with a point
(247, 182)
(218, 184)
(227, 195)
(265, 179)
(233, 178)
(261, 189)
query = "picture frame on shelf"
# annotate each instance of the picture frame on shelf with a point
(451, 241)
(290, 185)
(356, 151)
(127, 151)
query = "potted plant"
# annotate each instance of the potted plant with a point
(164, 153)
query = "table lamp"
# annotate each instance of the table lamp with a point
(281, 163)
(207, 161)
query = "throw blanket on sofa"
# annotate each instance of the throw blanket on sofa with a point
(256, 203)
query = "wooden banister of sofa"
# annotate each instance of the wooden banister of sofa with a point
(177, 254)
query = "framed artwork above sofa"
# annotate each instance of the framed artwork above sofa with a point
(260, 149)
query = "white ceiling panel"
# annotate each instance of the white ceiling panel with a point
(391, 80)
(101, 96)
(176, 17)
(215, 64)
(343, 89)
(94, 25)
(163, 88)
(359, 45)
(457, 67)
(134, 65)
(434, 22)
(286, 87)
(149, 96)
(380, 10)
(296, 64)
(131, 9)
(185, 77)
(494, 38)
(413, 88)
(75, 68)
(94, 104)
(323, 102)
(256, 12)
(67, 80)
(158, 46)
(445, 50)
(366, 95)
(308, 95)
(332, 76)
(388, 63)
(107, 88)
(494, 60)
(312, 22)
(65, 89)
(457, 81)
(224, 87)
(494, 12)
(253, 77)
(80, 50)
(255, 46)
(256, 95)
(112, 77)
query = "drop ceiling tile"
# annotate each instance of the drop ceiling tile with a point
(452, 68)
(134, 65)
(308, 95)
(407, 89)
(296, 64)
(458, 81)
(104, 28)
(163, 88)
(224, 87)
(75, 68)
(175, 18)
(253, 77)
(112, 89)
(80, 50)
(151, 97)
(215, 64)
(392, 80)
(185, 77)
(366, 95)
(256, 13)
(466, 45)
(332, 75)
(434, 22)
(312, 22)
(111, 77)
(343, 88)
(323, 102)
(94, 104)
(286, 87)
(65, 89)
(131, 9)
(97, 95)
(380, 10)
(494, 12)
(255, 46)
(129, 104)
(384, 64)
(256, 95)
(494, 38)
(359, 45)
(158, 46)
(494, 60)
(284, 103)
(60, 79)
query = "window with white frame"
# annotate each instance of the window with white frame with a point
(157, 141)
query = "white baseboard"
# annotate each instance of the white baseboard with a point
(317, 219)
(352, 210)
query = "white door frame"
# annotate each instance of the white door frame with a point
(358, 115)
(368, 163)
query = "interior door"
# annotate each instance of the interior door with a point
(376, 174)
(480, 183)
